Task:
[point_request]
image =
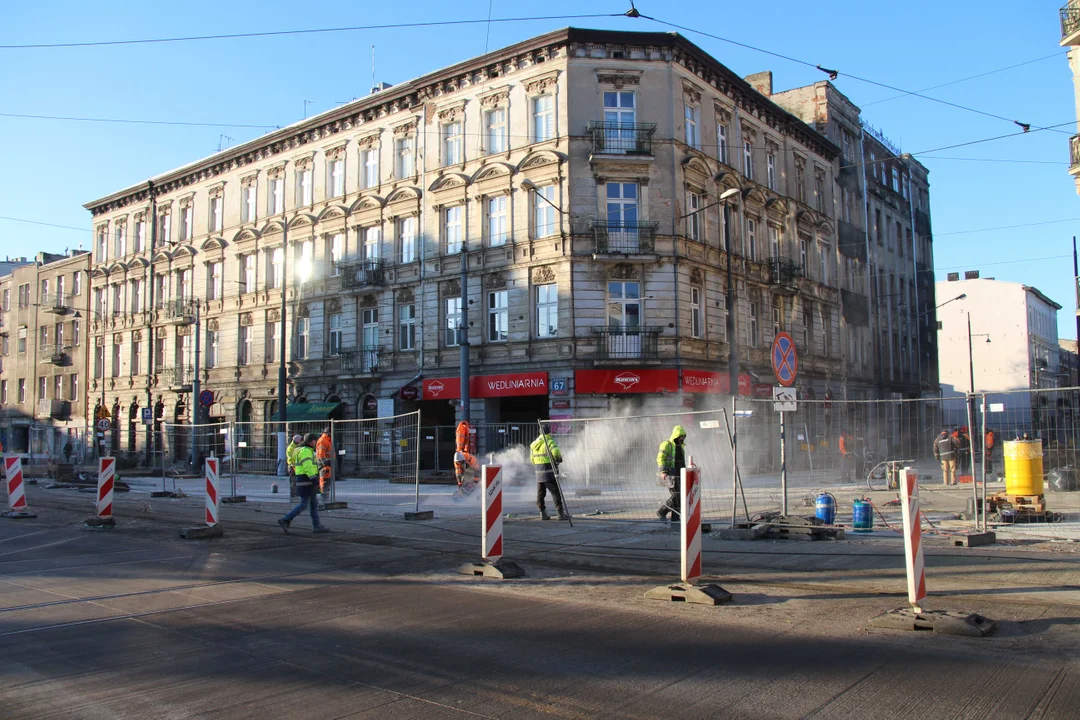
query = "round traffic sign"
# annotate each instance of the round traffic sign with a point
(785, 360)
(104, 424)
(206, 398)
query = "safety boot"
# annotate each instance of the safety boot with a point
(544, 515)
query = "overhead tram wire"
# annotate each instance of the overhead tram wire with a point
(312, 31)
(138, 122)
(834, 74)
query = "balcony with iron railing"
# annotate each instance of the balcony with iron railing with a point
(360, 274)
(180, 312)
(357, 362)
(618, 138)
(784, 272)
(1074, 154)
(57, 409)
(627, 343)
(56, 302)
(623, 238)
(1070, 23)
(52, 354)
(177, 377)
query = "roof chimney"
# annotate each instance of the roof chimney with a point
(762, 82)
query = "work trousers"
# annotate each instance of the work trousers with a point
(672, 504)
(308, 501)
(948, 470)
(545, 482)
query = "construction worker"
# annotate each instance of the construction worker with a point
(963, 458)
(290, 463)
(945, 452)
(463, 456)
(324, 456)
(546, 456)
(988, 451)
(307, 476)
(846, 456)
(669, 461)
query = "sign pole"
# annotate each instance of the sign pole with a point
(783, 463)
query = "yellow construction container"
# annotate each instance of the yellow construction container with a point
(1023, 467)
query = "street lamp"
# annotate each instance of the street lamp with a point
(100, 318)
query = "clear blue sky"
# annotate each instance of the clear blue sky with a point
(53, 167)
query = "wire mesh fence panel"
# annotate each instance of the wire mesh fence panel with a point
(610, 469)
(376, 460)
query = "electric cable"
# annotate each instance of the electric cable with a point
(139, 122)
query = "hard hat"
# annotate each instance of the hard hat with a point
(297, 438)
(310, 437)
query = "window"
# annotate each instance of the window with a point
(216, 281)
(43, 337)
(899, 238)
(247, 203)
(41, 389)
(544, 211)
(751, 239)
(247, 273)
(73, 388)
(624, 304)
(116, 360)
(543, 118)
(24, 295)
(691, 115)
(808, 329)
(800, 181)
(136, 358)
(182, 353)
(819, 191)
(895, 180)
(336, 251)
(777, 316)
(453, 321)
(275, 195)
(804, 253)
(76, 334)
(403, 151)
(754, 329)
(622, 217)
(335, 335)
(183, 284)
(878, 226)
(452, 229)
(372, 240)
(211, 348)
(164, 235)
(770, 170)
(748, 159)
(369, 335)
(826, 331)
(620, 114)
(76, 283)
(99, 301)
(335, 177)
(452, 144)
(271, 350)
(496, 208)
(277, 268)
(159, 352)
(823, 255)
(215, 214)
(120, 240)
(694, 220)
(303, 187)
(243, 354)
(117, 304)
(303, 337)
(305, 261)
(547, 311)
(495, 127)
(407, 327)
(101, 246)
(58, 336)
(44, 291)
(873, 163)
(696, 324)
(721, 141)
(407, 238)
(369, 160)
(22, 391)
(3, 392)
(99, 361)
(776, 239)
(186, 229)
(498, 316)
(5, 347)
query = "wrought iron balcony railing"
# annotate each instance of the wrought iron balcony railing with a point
(360, 362)
(616, 138)
(56, 302)
(785, 272)
(628, 343)
(1070, 19)
(54, 354)
(177, 375)
(1074, 150)
(628, 238)
(180, 312)
(357, 274)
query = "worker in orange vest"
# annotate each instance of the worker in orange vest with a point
(846, 456)
(324, 457)
(988, 451)
(463, 455)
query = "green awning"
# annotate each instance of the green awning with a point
(300, 412)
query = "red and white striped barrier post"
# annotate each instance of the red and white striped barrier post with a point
(690, 521)
(16, 492)
(690, 547)
(213, 499)
(913, 551)
(491, 529)
(106, 482)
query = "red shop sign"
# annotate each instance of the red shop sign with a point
(761, 390)
(703, 381)
(604, 382)
(410, 392)
(488, 386)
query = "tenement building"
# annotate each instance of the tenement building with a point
(577, 176)
(43, 351)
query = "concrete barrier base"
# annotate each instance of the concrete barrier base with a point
(201, 533)
(684, 592)
(940, 622)
(99, 523)
(18, 514)
(334, 506)
(234, 499)
(420, 515)
(975, 539)
(502, 570)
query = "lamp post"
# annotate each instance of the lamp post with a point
(282, 384)
(78, 316)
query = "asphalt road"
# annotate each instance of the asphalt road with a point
(134, 623)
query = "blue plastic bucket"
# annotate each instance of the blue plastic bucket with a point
(862, 516)
(825, 508)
